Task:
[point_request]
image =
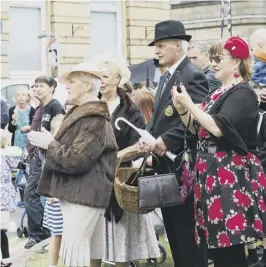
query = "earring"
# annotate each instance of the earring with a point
(236, 75)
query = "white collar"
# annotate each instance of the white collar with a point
(173, 67)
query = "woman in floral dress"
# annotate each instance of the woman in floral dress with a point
(229, 201)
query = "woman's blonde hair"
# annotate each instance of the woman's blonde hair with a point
(117, 69)
(22, 90)
(144, 99)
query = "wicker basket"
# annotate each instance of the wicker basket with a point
(127, 195)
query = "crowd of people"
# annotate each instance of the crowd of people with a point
(213, 95)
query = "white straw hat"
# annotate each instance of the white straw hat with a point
(82, 67)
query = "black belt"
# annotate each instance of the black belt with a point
(207, 146)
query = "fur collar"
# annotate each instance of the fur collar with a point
(92, 108)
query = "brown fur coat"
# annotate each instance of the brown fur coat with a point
(80, 163)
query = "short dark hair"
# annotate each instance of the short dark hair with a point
(50, 81)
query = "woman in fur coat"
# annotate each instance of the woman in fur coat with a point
(79, 167)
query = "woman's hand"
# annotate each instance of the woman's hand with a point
(129, 153)
(14, 116)
(181, 100)
(25, 129)
(51, 200)
(41, 139)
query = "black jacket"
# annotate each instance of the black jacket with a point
(127, 109)
(169, 125)
(262, 141)
(12, 128)
(124, 138)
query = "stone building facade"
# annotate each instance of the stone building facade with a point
(122, 28)
(84, 28)
(202, 19)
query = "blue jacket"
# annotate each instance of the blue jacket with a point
(259, 73)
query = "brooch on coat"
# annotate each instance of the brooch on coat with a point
(169, 111)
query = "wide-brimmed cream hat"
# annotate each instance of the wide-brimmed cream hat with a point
(105, 60)
(82, 67)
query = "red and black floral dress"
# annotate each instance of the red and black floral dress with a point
(229, 192)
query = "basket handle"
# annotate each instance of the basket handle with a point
(120, 160)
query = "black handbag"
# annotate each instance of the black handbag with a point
(158, 191)
(162, 190)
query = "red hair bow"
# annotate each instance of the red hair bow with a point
(237, 47)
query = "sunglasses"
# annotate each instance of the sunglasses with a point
(216, 59)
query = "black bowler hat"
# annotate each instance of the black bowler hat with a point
(170, 29)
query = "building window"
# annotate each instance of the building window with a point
(103, 39)
(25, 47)
(105, 28)
(27, 53)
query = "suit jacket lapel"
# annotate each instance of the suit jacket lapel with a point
(160, 102)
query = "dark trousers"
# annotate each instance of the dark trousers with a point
(233, 256)
(33, 205)
(4, 245)
(180, 228)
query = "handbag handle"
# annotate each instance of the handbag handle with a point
(144, 162)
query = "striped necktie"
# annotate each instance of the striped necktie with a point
(166, 80)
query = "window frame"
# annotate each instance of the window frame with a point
(116, 8)
(40, 4)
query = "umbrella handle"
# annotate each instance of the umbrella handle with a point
(127, 122)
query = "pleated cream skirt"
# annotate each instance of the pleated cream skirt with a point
(83, 234)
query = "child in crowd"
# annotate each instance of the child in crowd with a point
(10, 157)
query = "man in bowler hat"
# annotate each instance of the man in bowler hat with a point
(171, 44)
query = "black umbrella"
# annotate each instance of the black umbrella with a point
(145, 72)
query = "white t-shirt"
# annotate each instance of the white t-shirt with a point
(113, 105)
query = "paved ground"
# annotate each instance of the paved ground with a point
(16, 244)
